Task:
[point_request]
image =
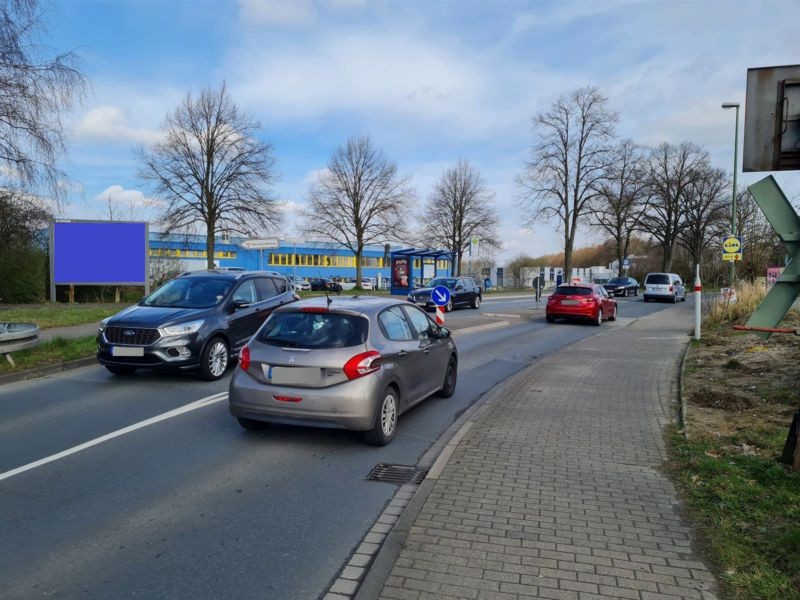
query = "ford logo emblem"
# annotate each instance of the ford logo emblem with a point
(129, 332)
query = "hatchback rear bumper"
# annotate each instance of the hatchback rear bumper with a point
(349, 405)
(577, 312)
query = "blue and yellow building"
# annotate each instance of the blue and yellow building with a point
(301, 258)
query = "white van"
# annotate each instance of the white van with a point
(664, 286)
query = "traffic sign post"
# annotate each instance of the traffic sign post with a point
(441, 298)
(698, 297)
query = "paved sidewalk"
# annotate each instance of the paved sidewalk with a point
(555, 491)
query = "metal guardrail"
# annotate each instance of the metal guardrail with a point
(17, 336)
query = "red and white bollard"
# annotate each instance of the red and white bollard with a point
(440, 316)
(698, 305)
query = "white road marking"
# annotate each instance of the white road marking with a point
(502, 315)
(476, 328)
(207, 401)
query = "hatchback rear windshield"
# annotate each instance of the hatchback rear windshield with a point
(657, 279)
(569, 290)
(314, 330)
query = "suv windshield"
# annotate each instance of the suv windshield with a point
(314, 330)
(190, 292)
(657, 279)
(445, 281)
(569, 290)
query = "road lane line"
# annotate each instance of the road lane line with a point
(207, 401)
(503, 315)
(477, 328)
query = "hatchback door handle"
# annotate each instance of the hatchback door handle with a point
(402, 354)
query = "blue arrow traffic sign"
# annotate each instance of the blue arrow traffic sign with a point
(440, 295)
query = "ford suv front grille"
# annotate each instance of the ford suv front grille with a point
(131, 336)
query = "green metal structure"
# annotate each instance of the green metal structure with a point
(784, 220)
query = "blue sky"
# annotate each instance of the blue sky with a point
(430, 81)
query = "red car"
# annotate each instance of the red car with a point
(581, 301)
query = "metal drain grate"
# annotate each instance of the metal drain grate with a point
(397, 473)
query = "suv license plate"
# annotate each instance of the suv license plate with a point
(129, 351)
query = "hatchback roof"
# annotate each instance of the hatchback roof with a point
(349, 303)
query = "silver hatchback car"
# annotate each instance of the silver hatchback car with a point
(347, 362)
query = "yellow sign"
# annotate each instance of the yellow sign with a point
(731, 256)
(732, 245)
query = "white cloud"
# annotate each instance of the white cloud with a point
(277, 12)
(108, 122)
(118, 194)
(394, 79)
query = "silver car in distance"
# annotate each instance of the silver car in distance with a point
(347, 362)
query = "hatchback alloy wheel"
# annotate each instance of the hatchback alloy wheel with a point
(386, 420)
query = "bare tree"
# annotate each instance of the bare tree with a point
(360, 199)
(568, 161)
(622, 198)
(671, 171)
(210, 168)
(762, 246)
(460, 207)
(36, 91)
(704, 211)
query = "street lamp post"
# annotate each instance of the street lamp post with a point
(727, 105)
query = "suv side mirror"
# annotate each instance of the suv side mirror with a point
(239, 305)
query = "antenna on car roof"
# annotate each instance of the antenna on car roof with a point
(325, 288)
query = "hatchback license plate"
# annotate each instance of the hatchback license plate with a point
(305, 376)
(130, 351)
(570, 302)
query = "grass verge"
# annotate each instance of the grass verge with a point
(55, 351)
(748, 508)
(58, 315)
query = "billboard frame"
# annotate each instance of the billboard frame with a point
(51, 252)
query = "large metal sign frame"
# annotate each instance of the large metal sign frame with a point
(784, 220)
(772, 119)
(145, 283)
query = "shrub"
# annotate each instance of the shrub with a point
(748, 297)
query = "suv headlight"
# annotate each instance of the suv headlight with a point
(183, 328)
(103, 324)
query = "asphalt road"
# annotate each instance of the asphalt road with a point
(194, 506)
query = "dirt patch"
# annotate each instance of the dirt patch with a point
(736, 382)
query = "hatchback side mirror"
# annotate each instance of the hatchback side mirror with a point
(459, 287)
(443, 333)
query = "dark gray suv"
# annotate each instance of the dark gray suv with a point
(195, 321)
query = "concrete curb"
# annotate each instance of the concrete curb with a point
(47, 370)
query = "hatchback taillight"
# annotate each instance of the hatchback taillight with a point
(362, 364)
(244, 358)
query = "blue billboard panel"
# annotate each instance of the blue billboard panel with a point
(99, 253)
